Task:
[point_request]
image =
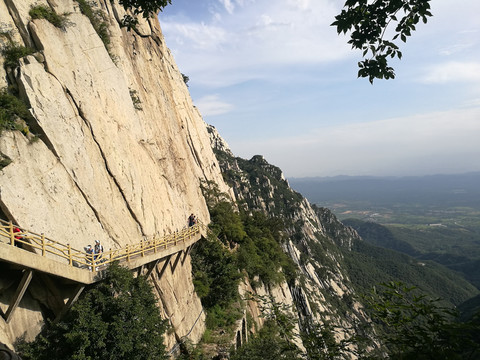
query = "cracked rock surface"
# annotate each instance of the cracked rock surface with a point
(103, 168)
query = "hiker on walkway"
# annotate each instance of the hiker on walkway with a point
(191, 220)
(89, 256)
(18, 238)
(98, 251)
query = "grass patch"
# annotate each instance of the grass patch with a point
(44, 12)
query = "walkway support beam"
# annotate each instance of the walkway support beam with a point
(152, 267)
(17, 297)
(179, 255)
(167, 261)
(71, 301)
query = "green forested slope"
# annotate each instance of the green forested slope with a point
(369, 265)
(444, 246)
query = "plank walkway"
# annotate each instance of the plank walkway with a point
(36, 252)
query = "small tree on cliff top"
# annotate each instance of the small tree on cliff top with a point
(116, 319)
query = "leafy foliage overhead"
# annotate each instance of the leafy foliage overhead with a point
(368, 22)
(145, 7)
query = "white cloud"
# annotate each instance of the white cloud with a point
(265, 34)
(212, 105)
(198, 36)
(453, 71)
(300, 4)
(229, 6)
(457, 48)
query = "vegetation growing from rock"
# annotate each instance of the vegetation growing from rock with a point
(276, 339)
(415, 326)
(98, 21)
(146, 8)
(409, 325)
(116, 319)
(13, 52)
(186, 79)
(137, 103)
(44, 12)
(12, 109)
(4, 161)
(239, 243)
(254, 238)
(267, 344)
(215, 273)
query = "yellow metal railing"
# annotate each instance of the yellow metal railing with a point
(42, 245)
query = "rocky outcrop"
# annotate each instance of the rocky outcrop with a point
(121, 149)
(314, 238)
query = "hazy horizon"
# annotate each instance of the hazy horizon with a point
(383, 176)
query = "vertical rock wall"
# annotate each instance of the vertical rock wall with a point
(122, 149)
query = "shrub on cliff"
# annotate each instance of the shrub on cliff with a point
(216, 274)
(408, 325)
(13, 52)
(11, 110)
(276, 339)
(97, 19)
(267, 344)
(45, 12)
(116, 319)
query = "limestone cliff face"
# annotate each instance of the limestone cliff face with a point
(122, 149)
(315, 238)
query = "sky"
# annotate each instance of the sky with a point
(277, 80)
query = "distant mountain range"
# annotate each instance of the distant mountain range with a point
(460, 188)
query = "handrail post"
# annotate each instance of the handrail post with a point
(94, 265)
(43, 245)
(70, 262)
(111, 256)
(155, 240)
(12, 237)
(142, 246)
(128, 253)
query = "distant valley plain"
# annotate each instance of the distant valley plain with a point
(431, 217)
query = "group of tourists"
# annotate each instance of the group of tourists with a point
(94, 253)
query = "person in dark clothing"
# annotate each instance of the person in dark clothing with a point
(98, 251)
(191, 220)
